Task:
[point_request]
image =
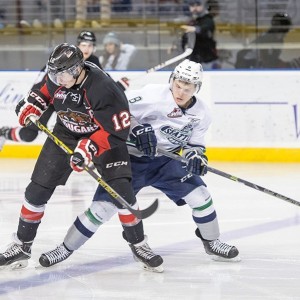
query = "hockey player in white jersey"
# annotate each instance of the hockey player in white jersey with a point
(172, 117)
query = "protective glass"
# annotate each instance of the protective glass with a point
(195, 3)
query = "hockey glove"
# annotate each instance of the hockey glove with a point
(145, 140)
(34, 105)
(197, 161)
(83, 154)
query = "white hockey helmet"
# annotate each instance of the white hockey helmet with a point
(188, 71)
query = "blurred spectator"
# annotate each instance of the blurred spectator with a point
(53, 9)
(116, 55)
(257, 57)
(202, 23)
(99, 7)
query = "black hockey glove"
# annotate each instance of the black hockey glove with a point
(34, 105)
(145, 140)
(83, 154)
(197, 161)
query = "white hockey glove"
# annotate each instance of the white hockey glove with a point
(83, 154)
(145, 139)
(197, 161)
(34, 105)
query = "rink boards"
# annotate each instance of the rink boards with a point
(255, 113)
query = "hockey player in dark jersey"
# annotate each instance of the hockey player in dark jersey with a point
(92, 119)
(86, 42)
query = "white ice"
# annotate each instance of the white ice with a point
(263, 227)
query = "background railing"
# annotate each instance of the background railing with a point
(29, 29)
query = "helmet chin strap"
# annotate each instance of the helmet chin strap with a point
(76, 77)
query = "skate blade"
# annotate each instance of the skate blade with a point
(222, 259)
(21, 264)
(158, 269)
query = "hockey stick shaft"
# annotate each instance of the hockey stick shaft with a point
(188, 51)
(170, 61)
(232, 177)
(140, 214)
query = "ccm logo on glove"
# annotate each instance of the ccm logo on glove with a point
(145, 139)
(83, 155)
(34, 105)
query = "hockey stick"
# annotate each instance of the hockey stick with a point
(140, 214)
(170, 61)
(232, 177)
(188, 51)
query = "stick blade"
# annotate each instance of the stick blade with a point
(147, 212)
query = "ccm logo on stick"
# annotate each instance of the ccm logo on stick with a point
(116, 164)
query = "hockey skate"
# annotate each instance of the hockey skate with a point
(218, 250)
(144, 255)
(17, 254)
(54, 256)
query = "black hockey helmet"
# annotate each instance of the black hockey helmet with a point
(86, 36)
(65, 58)
(281, 22)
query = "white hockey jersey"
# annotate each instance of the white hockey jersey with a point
(174, 127)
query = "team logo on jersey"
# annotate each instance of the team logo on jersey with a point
(77, 121)
(176, 113)
(61, 95)
(178, 136)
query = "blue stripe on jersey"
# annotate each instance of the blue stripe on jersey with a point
(206, 219)
(82, 229)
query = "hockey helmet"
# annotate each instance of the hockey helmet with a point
(281, 22)
(65, 58)
(86, 36)
(188, 71)
(113, 38)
